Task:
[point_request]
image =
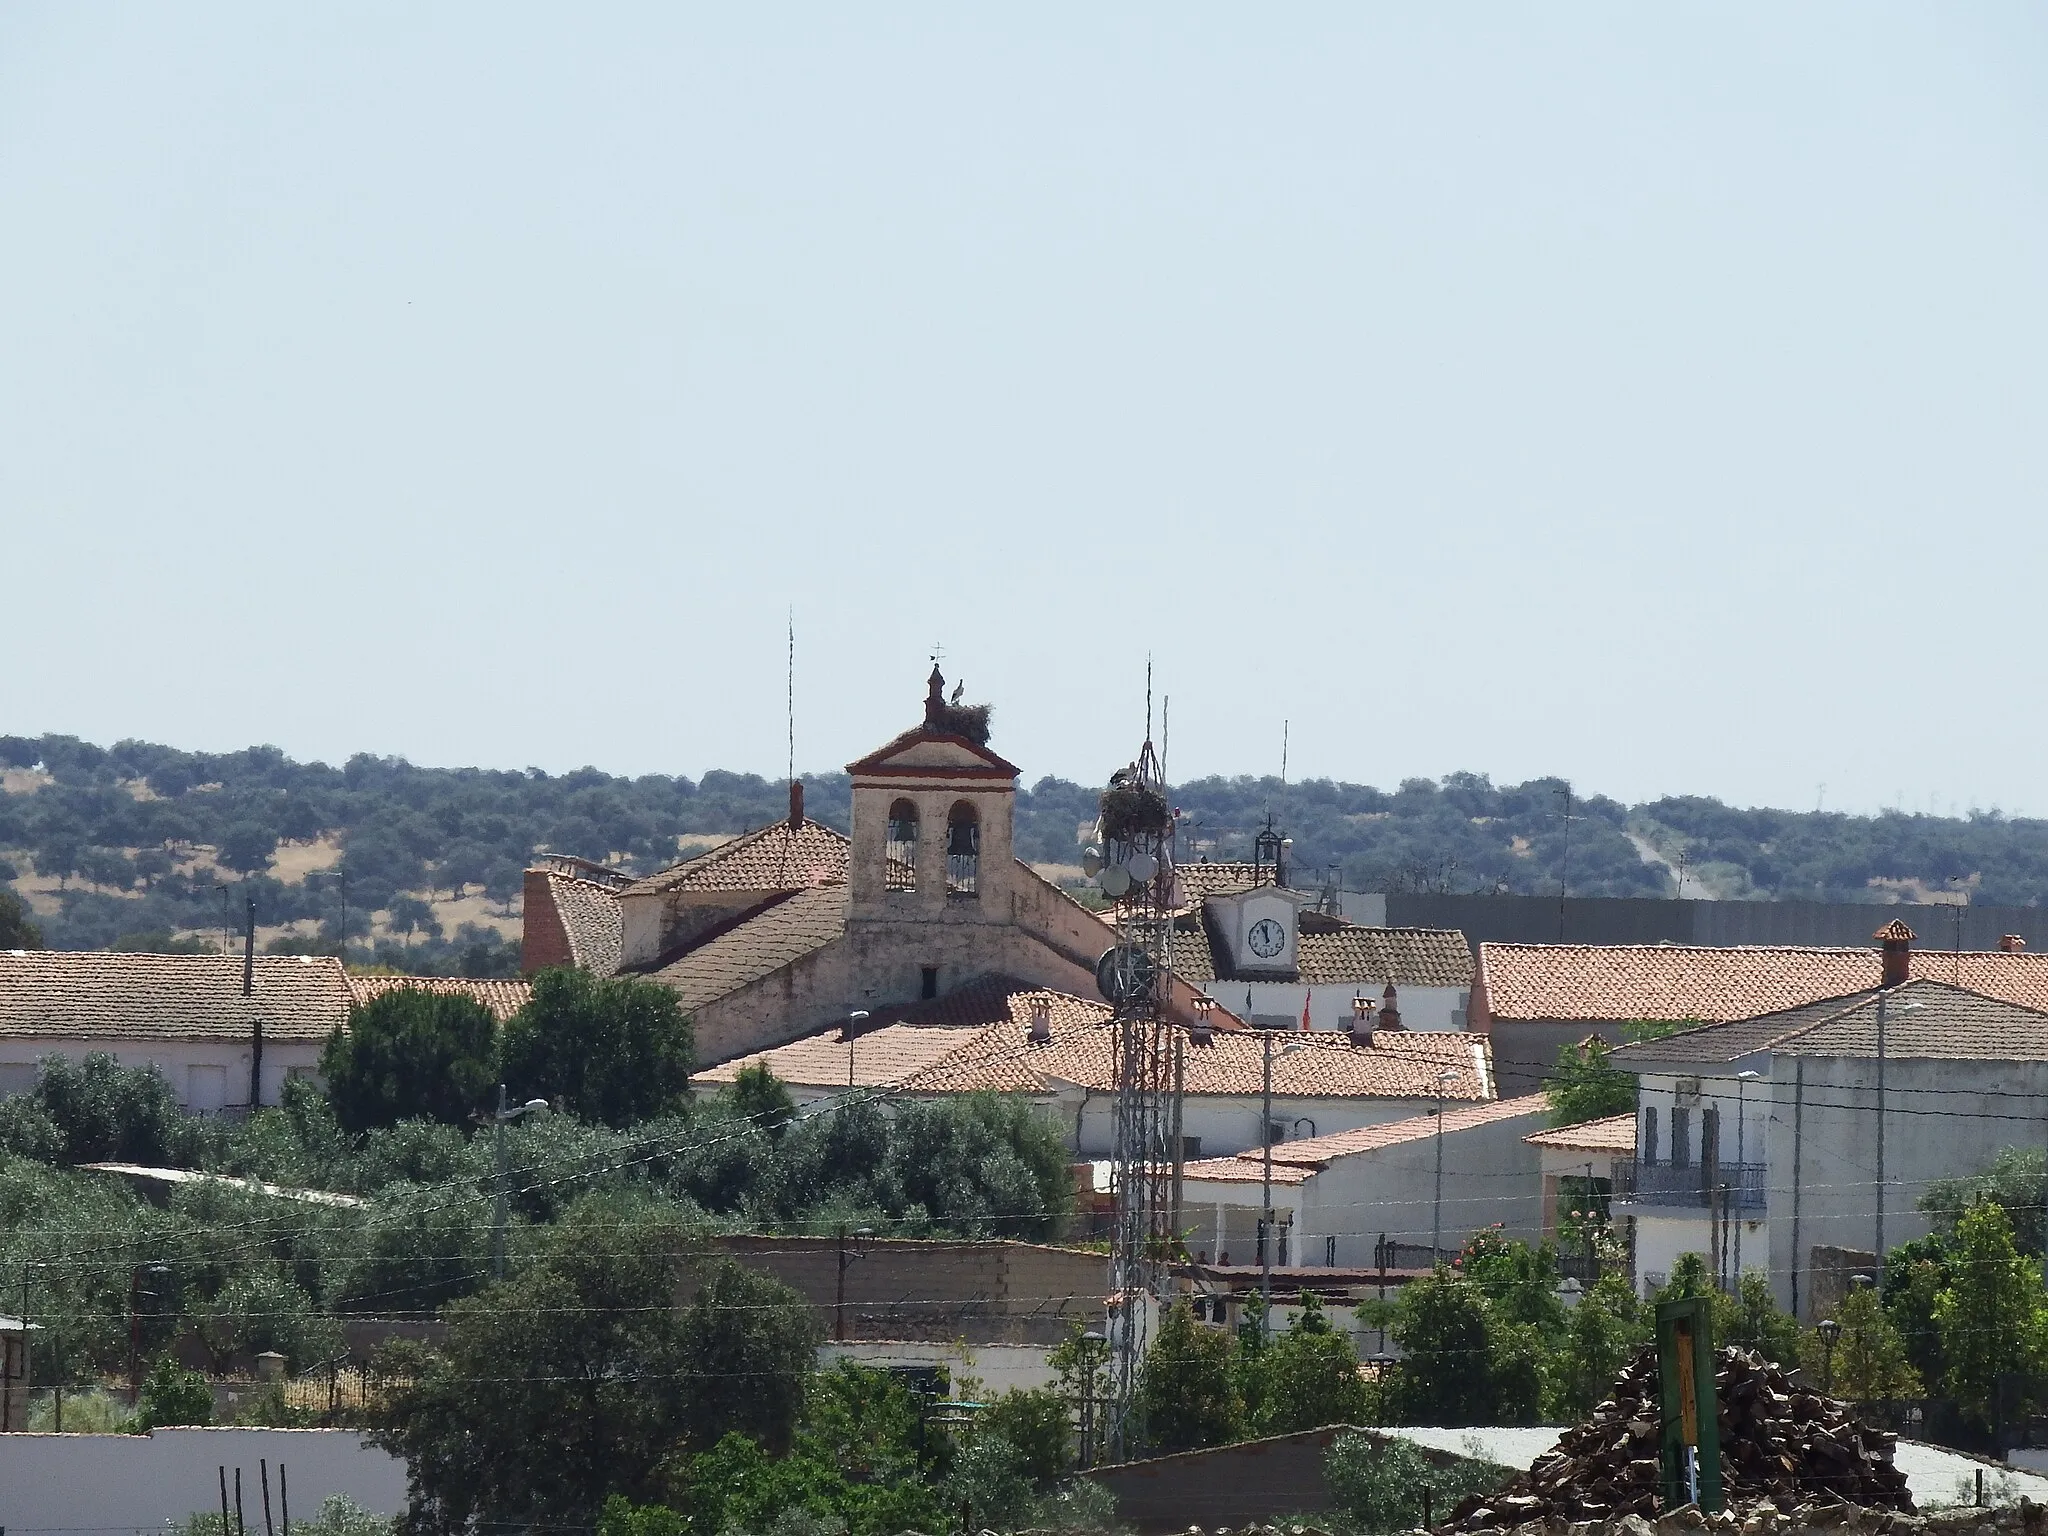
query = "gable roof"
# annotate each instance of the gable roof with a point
(1334, 953)
(900, 759)
(770, 858)
(1924, 1020)
(1315, 1153)
(88, 995)
(1610, 983)
(590, 917)
(1613, 1133)
(780, 933)
(875, 1059)
(504, 997)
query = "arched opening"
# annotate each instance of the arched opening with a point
(900, 856)
(963, 851)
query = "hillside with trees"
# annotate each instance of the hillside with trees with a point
(141, 845)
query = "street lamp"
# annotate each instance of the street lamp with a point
(1742, 1081)
(135, 1295)
(854, 1020)
(1436, 1220)
(501, 1208)
(1829, 1331)
(1089, 1341)
(1882, 994)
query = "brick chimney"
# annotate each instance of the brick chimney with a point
(1390, 1009)
(1897, 940)
(796, 805)
(2011, 943)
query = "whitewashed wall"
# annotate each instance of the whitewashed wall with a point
(206, 1075)
(141, 1483)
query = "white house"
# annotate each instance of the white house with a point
(1760, 1140)
(1269, 953)
(1336, 1198)
(221, 1045)
(980, 1039)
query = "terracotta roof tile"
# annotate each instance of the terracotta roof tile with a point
(87, 995)
(769, 858)
(781, 933)
(502, 996)
(878, 1058)
(1317, 1152)
(590, 916)
(1615, 1133)
(1925, 1020)
(1343, 954)
(1608, 983)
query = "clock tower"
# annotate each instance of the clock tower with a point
(1259, 929)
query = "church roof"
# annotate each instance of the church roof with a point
(1334, 954)
(770, 858)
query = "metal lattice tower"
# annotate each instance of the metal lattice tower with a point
(1145, 1172)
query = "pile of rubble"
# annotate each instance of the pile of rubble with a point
(1780, 1444)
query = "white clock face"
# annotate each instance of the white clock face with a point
(1267, 938)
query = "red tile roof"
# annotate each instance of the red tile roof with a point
(877, 1058)
(1617, 983)
(87, 995)
(502, 996)
(1615, 1133)
(770, 858)
(1313, 1153)
(1336, 953)
(778, 935)
(590, 917)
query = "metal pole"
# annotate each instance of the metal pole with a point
(1880, 1127)
(1798, 1148)
(134, 1336)
(499, 1211)
(256, 1020)
(1741, 1128)
(1436, 1220)
(839, 1299)
(1266, 1200)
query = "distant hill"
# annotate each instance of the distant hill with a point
(135, 843)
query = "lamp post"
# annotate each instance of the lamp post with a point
(854, 1020)
(501, 1207)
(1883, 994)
(1436, 1220)
(1089, 1364)
(1829, 1331)
(1742, 1082)
(135, 1295)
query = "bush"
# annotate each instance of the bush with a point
(1377, 1482)
(173, 1395)
(95, 1111)
(411, 1054)
(617, 1051)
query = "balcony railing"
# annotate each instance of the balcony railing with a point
(1662, 1185)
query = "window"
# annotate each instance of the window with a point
(1649, 1134)
(928, 983)
(1681, 1149)
(899, 858)
(963, 851)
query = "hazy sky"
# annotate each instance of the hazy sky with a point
(1648, 394)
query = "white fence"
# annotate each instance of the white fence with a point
(108, 1485)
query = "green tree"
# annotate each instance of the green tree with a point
(411, 1054)
(1868, 1361)
(1915, 1275)
(758, 1096)
(1605, 1329)
(1377, 1481)
(1187, 1392)
(173, 1395)
(615, 1050)
(97, 1110)
(16, 930)
(584, 1353)
(1036, 1423)
(1990, 1315)
(1753, 1319)
(1584, 1087)
(246, 847)
(2017, 1179)
(1306, 1378)
(1446, 1338)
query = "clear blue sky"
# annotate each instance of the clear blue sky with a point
(1649, 394)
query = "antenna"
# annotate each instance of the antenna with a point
(1165, 733)
(1148, 695)
(792, 693)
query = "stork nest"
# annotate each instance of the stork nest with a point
(1131, 811)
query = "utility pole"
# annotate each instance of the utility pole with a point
(1881, 997)
(1266, 1184)
(1436, 1220)
(1564, 867)
(256, 1018)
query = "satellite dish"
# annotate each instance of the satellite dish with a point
(1142, 866)
(1125, 974)
(1115, 880)
(1091, 862)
